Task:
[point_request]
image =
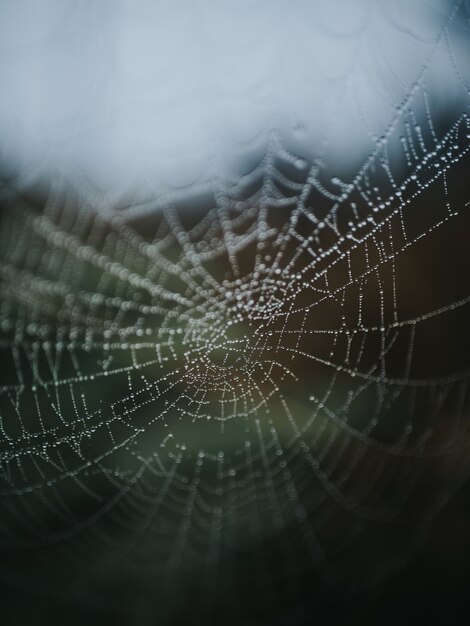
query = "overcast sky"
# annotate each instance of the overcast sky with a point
(115, 89)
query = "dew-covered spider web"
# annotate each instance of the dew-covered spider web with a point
(264, 374)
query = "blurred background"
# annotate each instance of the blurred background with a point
(234, 311)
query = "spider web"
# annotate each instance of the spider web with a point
(209, 381)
